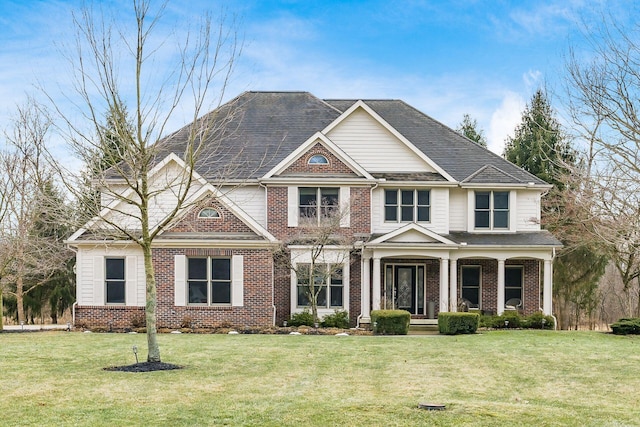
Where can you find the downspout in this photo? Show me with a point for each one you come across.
(75, 303)
(266, 226)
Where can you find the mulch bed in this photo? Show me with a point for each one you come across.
(144, 367)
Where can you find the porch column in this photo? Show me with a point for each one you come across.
(547, 288)
(376, 283)
(500, 308)
(453, 285)
(366, 289)
(444, 284)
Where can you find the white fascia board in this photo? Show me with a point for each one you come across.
(394, 132)
(305, 146)
(414, 184)
(488, 187)
(171, 157)
(213, 243)
(412, 227)
(319, 180)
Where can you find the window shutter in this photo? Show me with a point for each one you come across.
(345, 206)
(292, 205)
(99, 289)
(237, 280)
(131, 281)
(180, 279)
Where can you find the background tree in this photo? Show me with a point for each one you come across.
(540, 147)
(110, 57)
(34, 248)
(469, 128)
(603, 81)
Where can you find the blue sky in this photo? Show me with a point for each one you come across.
(446, 58)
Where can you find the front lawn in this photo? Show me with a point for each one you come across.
(498, 378)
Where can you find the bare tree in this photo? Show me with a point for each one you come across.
(30, 257)
(110, 57)
(316, 255)
(604, 86)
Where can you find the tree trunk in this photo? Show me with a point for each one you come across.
(1, 310)
(20, 299)
(150, 307)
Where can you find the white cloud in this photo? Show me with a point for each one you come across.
(504, 120)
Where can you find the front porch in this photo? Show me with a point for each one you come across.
(428, 284)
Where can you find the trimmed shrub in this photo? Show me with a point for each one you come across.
(458, 323)
(339, 319)
(304, 318)
(390, 322)
(538, 321)
(626, 326)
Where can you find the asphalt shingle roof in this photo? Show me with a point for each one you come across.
(257, 130)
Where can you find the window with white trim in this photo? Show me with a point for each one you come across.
(407, 205)
(114, 280)
(318, 159)
(326, 277)
(209, 213)
(492, 210)
(513, 283)
(209, 281)
(316, 203)
(470, 285)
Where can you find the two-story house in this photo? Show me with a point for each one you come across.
(428, 221)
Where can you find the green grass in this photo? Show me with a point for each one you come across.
(500, 378)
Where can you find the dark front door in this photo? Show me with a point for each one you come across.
(405, 280)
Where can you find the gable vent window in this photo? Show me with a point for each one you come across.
(407, 205)
(209, 213)
(318, 159)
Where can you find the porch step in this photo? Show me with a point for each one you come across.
(423, 329)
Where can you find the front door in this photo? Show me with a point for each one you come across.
(408, 287)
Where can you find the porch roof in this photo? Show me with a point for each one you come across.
(523, 238)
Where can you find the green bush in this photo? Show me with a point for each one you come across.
(390, 322)
(539, 321)
(626, 326)
(513, 320)
(304, 318)
(339, 319)
(458, 323)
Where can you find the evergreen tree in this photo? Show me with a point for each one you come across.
(539, 146)
(469, 128)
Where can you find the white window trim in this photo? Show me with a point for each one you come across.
(324, 163)
(471, 211)
(521, 268)
(479, 267)
(218, 216)
(293, 204)
(399, 205)
(125, 268)
(181, 282)
(333, 256)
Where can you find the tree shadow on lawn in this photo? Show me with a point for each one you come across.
(144, 367)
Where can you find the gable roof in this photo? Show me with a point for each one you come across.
(257, 131)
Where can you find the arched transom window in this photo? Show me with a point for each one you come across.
(209, 213)
(318, 159)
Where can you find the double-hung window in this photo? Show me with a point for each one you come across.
(407, 205)
(316, 203)
(209, 281)
(513, 278)
(114, 280)
(492, 209)
(471, 285)
(327, 280)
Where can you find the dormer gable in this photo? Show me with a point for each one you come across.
(303, 161)
(364, 135)
(412, 233)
